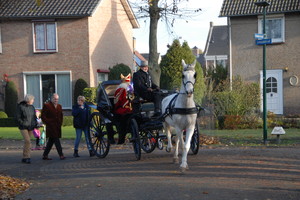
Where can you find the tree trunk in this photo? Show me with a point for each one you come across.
(153, 55)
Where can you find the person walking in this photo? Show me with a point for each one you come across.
(80, 112)
(26, 120)
(52, 117)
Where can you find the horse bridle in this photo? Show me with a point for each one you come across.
(185, 83)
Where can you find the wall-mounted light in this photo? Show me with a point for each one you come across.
(285, 69)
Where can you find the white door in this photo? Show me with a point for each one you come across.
(273, 90)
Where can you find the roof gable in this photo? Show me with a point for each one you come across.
(217, 42)
(248, 7)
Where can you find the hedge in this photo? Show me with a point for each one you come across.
(11, 121)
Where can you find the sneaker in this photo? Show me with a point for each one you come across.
(26, 160)
(46, 158)
(92, 153)
(62, 157)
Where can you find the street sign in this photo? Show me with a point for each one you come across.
(263, 41)
(259, 36)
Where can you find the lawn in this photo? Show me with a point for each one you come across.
(254, 137)
(68, 132)
(242, 137)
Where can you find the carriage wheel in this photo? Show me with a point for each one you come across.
(99, 142)
(136, 138)
(148, 141)
(160, 143)
(195, 142)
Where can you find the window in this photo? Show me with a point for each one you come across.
(213, 61)
(271, 85)
(43, 84)
(102, 77)
(44, 37)
(274, 28)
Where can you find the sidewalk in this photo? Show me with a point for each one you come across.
(221, 173)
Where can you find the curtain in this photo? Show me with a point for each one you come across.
(51, 36)
(33, 88)
(64, 90)
(39, 37)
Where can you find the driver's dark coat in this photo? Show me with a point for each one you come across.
(141, 82)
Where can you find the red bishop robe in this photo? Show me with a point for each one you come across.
(122, 103)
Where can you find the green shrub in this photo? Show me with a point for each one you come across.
(79, 87)
(8, 122)
(11, 99)
(68, 121)
(3, 114)
(90, 94)
(117, 70)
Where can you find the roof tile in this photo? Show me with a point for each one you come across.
(48, 8)
(248, 7)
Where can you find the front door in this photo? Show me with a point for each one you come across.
(273, 90)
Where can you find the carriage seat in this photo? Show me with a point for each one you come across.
(142, 105)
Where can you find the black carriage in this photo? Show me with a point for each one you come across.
(146, 132)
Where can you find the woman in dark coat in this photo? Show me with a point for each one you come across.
(27, 121)
(80, 112)
(52, 116)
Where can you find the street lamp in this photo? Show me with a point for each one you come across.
(264, 4)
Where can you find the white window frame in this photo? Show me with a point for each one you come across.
(40, 73)
(44, 22)
(273, 17)
(215, 59)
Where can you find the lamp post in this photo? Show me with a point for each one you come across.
(264, 4)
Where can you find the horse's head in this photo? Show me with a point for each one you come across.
(189, 77)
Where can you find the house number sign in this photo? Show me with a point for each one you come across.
(294, 80)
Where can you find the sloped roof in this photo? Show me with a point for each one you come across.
(47, 8)
(248, 7)
(217, 42)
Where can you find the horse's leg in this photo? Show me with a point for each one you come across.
(178, 136)
(169, 137)
(185, 149)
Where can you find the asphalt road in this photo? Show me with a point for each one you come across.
(221, 173)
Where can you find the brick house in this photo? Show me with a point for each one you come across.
(283, 60)
(45, 48)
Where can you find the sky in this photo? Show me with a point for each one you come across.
(194, 32)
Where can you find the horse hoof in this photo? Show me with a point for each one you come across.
(183, 170)
(168, 149)
(175, 160)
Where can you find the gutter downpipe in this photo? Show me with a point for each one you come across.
(230, 51)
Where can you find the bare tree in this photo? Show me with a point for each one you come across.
(167, 11)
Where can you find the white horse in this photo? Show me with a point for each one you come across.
(181, 114)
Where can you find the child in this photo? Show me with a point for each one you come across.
(36, 131)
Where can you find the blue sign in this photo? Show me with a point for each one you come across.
(259, 36)
(263, 41)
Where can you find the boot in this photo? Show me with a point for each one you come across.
(76, 154)
(92, 153)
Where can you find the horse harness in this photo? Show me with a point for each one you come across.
(171, 110)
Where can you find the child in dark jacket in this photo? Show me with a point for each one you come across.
(80, 112)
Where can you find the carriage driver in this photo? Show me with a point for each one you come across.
(145, 88)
